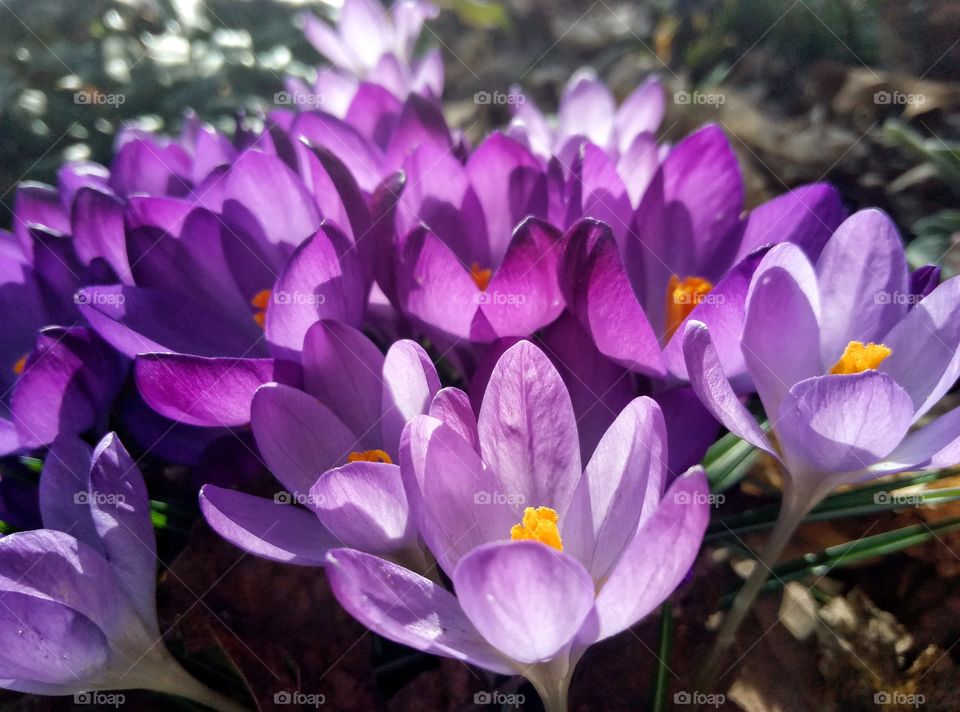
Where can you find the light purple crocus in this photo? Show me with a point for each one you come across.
(588, 110)
(78, 606)
(335, 447)
(546, 558)
(369, 43)
(846, 358)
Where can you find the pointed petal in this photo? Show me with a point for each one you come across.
(211, 392)
(528, 432)
(266, 528)
(658, 558)
(407, 608)
(299, 437)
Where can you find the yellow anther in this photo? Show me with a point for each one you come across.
(369, 456)
(481, 277)
(538, 524)
(683, 295)
(18, 366)
(858, 358)
(259, 302)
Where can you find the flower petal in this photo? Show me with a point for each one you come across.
(657, 559)
(299, 437)
(864, 283)
(842, 423)
(266, 528)
(527, 599)
(410, 383)
(528, 432)
(214, 392)
(343, 369)
(364, 506)
(407, 608)
(713, 388)
(620, 488)
(925, 347)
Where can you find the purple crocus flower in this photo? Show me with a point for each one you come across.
(334, 446)
(369, 43)
(546, 558)
(475, 257)
(588, 110)
(845, 361)
(78, 610)
(684, 253)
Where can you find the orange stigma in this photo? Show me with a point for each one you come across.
(259, 302)
(18, 366)
(858, 358)
(683, 295)
(369, 456)
(538, 524)
(481, 277)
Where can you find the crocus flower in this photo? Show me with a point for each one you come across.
(78, 610)
(588, 110)
(335, 447)
(545, 557)
(686, 252)
(475, 258)
(370, 43)
(844, 362)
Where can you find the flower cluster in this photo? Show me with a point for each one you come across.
(483, 375)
